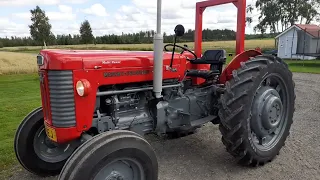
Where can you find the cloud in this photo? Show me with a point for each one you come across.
(65, 13)
(9, 28)
(139, 15)
(24, 16)
(189, 4)
(129, 9)
(37, 2)
(65, 9)
(142, 16)
(60, 21)
(60, 28)
(97, 10)
(27, 2)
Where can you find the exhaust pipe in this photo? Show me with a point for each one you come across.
(158, 55)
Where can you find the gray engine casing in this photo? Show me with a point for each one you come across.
(181, 111)
(177, 111)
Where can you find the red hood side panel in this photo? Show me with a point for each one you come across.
(60, 61)
(129, 59)
(105, 59)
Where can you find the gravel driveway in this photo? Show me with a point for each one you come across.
(202, 156)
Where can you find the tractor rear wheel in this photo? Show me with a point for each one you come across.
(257, 110)
(35, 152)
(112, 155)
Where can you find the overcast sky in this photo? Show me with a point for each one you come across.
(113, 16)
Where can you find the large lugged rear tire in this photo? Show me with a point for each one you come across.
(257, 110)
(35, 152)
(112, 155)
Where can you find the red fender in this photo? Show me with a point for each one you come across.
(226, 74)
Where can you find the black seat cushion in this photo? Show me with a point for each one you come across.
(214, 55)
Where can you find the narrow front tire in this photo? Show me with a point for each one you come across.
(112, 155)
(33, 149)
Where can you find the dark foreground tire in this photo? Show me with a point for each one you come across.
(35, 152)
(112, 155)
(257, 109)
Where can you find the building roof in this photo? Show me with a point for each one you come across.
(311, 29)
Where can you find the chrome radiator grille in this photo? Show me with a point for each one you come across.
(62, 98)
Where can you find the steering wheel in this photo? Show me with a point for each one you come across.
(184, 48)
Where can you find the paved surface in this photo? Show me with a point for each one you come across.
(202, 156)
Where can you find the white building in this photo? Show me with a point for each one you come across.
(299, 42)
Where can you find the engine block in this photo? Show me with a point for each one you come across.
(181, 109)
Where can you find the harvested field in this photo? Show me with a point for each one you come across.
(15, 63)
(229, 46)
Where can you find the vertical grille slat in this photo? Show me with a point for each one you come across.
(62, 98)
(44, 93)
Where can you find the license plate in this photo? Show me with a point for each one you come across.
(51, 133)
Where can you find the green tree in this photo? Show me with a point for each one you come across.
(1, 44)
(86, 32)
(249, 10)
(308, 11)
(285, 13)
(40, 29)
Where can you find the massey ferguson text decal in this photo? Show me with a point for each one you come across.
(111, 62)
(126, 73)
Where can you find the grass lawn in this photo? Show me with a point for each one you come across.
(308, 66)
(19, 94)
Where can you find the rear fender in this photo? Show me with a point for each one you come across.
(226, 74)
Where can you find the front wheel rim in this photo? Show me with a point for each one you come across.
(270, 109)
(49, 151)
(121, 169)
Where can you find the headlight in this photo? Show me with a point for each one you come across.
(40, 60)
(83, 87)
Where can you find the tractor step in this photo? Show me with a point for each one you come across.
(205, 74)
(202, 121)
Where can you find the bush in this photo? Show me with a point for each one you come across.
(1, 44)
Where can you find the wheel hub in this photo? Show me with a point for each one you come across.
(47, 142)
(271, 111)
(115, 175)
(121, 169)
(49, 151)
(267, 111)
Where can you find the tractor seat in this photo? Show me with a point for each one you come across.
(215, 57)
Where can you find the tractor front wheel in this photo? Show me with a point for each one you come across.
(35, 152)
(112, 155)
(257, 110)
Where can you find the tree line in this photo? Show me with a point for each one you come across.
(134, 38)
(273, 14)
(278, 15)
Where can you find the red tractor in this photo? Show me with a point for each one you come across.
(97, 105)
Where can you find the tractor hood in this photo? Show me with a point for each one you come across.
(97, 59)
